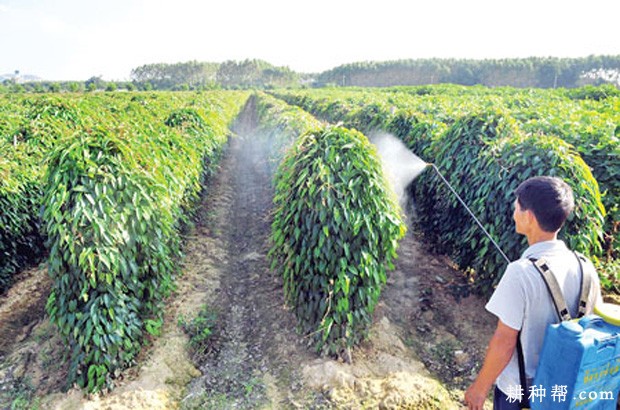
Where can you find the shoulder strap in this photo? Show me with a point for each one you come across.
(524, 401)
(553, 287)
(586, 282)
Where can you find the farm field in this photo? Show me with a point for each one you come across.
(215, 323)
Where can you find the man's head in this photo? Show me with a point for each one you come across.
(548, 199)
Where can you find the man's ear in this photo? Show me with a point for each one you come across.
(531, 218)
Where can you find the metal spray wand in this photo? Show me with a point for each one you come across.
(468, 210)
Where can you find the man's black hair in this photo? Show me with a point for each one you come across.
(549, 198)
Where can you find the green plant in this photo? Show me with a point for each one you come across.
(32, 126)
(590, 92)
(153, 326)
(335, 230)
(21, 241)
(21, 396)
(200, 330)
(186, 118)
(609, 273)
(252, 384)
(115, 200)
(96, 213)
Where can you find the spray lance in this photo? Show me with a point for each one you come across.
(402, 166)
(429, 164)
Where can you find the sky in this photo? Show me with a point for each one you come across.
(78, 39)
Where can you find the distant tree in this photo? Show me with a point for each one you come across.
(274, 77)
(111, 86)
(254, 74)
(98, 83)
(130, 86)
(74, 87)
(168, 76)
(181, 87)
(17, 88)
(54, 87)
(465, 73)
(548, 73)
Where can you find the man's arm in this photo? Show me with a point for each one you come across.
(499, 352)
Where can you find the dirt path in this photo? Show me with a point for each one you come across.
(30, 353)
(449, 333)
(255, 358)
(257, 355)
(22, 307)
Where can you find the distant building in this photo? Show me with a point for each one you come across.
(19, 78)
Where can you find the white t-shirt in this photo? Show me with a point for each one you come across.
(522, 302)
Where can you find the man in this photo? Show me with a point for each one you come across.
(521, 301)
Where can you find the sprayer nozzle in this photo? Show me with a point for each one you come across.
(429, 164)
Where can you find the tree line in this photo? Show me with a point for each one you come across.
(191, 75)
(229, 74)
(542, 72)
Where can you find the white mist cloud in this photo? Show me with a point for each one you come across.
(400, 165)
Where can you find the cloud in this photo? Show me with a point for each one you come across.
(52, 25)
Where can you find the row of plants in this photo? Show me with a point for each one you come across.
(587, 118)
(335, 228)
(28, 129)
(20, 190)
(30, 126)
(480, 144)
(485, 157)
(116, 192)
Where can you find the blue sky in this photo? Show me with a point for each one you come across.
(75, 40)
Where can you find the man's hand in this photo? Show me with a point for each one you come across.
(499, 352)
(475, 396)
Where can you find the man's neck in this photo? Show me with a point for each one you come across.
(541, 236)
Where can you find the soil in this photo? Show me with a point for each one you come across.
(426, 344)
